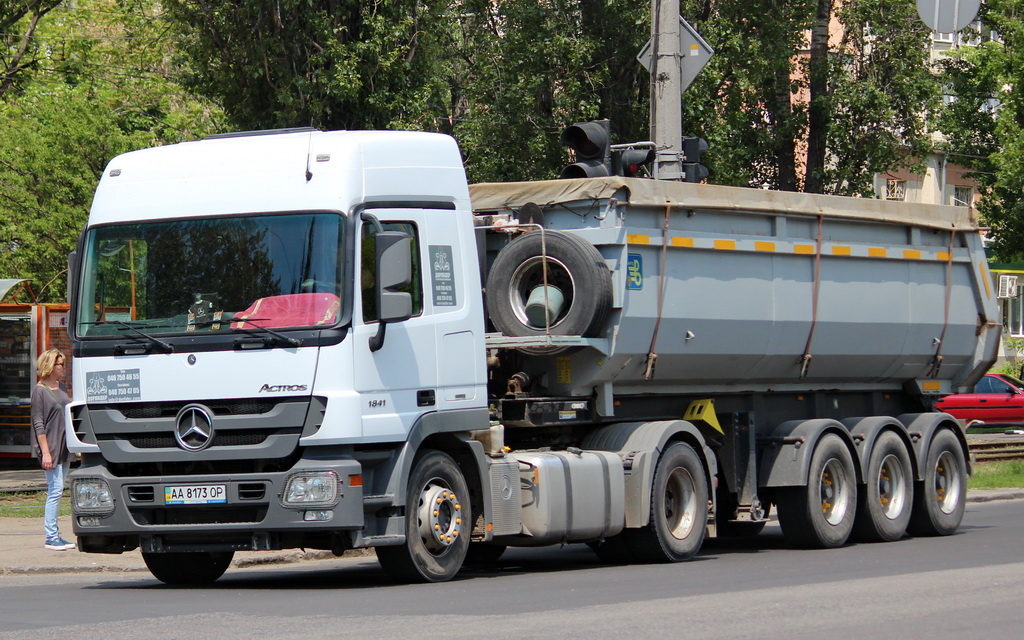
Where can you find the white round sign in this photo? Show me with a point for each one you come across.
(948, 16)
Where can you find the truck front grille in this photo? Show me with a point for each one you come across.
(199, 515)
(236, 438)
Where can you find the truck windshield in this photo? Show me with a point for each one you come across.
(212, 275)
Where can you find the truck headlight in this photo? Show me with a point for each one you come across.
(311, 489)
(92, 496)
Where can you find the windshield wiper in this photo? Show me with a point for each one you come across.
(294, 342)
(166, 347)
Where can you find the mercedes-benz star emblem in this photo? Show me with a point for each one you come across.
(194, 428)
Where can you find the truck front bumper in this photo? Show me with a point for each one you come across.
(219, 512)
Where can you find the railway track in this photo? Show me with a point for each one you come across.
(992, 450)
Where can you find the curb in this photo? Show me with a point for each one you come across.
(277, 559)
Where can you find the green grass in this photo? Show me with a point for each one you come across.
(999, 474)
(28, 505)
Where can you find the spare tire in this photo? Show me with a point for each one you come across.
(574, 267)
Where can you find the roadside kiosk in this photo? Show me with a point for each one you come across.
(26, 330)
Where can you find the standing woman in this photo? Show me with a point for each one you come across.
(49, 397)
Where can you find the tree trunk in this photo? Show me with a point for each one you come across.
(817, 111)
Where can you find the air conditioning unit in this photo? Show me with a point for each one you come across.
(1007, 286)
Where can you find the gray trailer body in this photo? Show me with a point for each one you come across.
(764, 291)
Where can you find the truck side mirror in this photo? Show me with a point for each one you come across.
(394, 271)
(393, 266)
(72, 274)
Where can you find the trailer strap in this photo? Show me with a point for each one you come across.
(805, 360)
(652, 356)
(937, 359)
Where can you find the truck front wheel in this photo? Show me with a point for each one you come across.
(821, 513)
(437, 523)
(679, 509)
(184, 567)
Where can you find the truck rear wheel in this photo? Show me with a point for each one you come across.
(940, 498)
(679, 509)
(821, 514)
(185, 567)
(883, 509)
(574, 267)
(437, 525)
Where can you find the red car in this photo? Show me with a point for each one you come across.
(997, 399)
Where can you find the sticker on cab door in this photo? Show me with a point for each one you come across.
(443, 275)
(118, 385)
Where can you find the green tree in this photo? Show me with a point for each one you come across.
(817, 113)
(104, 89)
(526, 70)
(20, 52)
(984, 123)
(338, 64)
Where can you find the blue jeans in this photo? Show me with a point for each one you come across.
(54, 489)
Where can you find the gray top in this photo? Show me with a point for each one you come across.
(48, 419)
(491, 197)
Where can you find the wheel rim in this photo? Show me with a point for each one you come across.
(834, 492)
(892, 487)
(947, 482)
(530, 274)
(680, 503)
(440, 517)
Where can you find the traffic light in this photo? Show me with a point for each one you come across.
(692, 148)
(592, 143)
(627, 162)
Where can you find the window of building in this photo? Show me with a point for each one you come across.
(963, 196)
(942, 37)
(1013, 318)
(368, 257)
(895, 189)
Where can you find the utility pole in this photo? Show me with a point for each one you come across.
(666, 89)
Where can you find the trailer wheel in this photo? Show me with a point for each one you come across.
(821, 514)
(574, 267)
(883, 508)
(184, 567)
(679, 509)
(940, 499)
(437, 523)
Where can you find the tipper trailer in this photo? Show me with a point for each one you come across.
(328, 340)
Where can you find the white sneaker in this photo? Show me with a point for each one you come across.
(59, 544)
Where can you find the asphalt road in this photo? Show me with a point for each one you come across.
(964, 586)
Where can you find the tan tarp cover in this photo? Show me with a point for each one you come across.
(505, 196)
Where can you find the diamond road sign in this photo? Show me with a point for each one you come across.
(694, 54)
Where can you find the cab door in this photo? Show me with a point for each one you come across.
(397, 383)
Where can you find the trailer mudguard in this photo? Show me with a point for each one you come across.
(865, 431)
(639, 444)
(787, 454)
(922, 427)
